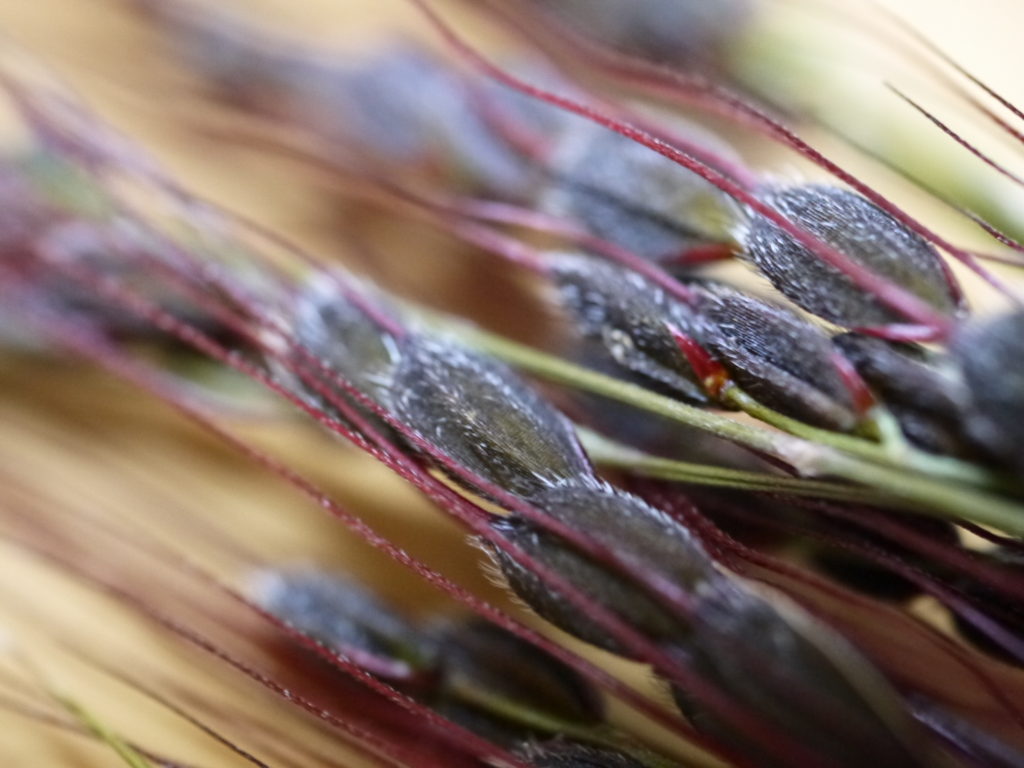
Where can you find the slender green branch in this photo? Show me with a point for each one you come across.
(797, 452)
(930, 486)
(891, 453)
(612, 454)
(128, 754)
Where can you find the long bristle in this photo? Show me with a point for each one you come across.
(746, 493)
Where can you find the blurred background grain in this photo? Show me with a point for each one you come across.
(82, 439)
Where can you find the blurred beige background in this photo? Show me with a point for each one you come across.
(85, 435)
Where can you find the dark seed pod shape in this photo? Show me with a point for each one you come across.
(631, 317)
(386, 102)
(341, 615)
(646, 431)
(779, 358)
(634, 197)
(478, 659)
(399, 105)
(565, 754)
(858, 572)
(119, 253)
(628, 425)
(468, 133)
(378, 102)
(989, 353)
(482, 415)
(754, 520)
(926, 394)
(799, 678)
(636, 531)
(340, 334)
(1001, 608)
(860, 230)
(680, 32)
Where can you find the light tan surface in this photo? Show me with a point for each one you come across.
(80, 438)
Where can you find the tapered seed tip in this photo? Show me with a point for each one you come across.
(865, 236)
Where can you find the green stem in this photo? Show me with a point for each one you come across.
(128, 754)
(887, 431)
(929, 485)
(892, 453)
(612, 454)
(554, 369)
(941, 499)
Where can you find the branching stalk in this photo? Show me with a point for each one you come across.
(932, 485)
(610, 453)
